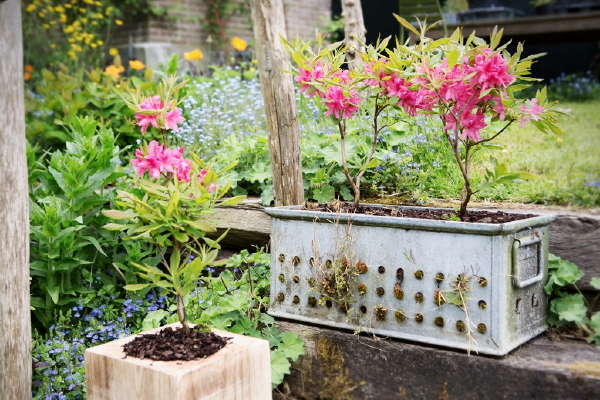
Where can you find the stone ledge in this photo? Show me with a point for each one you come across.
(574, 235)
(342, 365)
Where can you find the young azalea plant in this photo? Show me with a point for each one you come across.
(343, 93)
(470, 85)
(170, 205)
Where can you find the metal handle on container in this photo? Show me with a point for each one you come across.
(526, 241)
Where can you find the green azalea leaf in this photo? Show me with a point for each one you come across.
(201, 225)
(114, 227)
(233, 201)
(173, 203)
(595, 282)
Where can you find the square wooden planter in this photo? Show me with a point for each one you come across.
(241, 370)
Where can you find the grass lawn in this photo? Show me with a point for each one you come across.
(562, 163)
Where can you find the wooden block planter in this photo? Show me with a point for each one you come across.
(408, 286)
(241, 370)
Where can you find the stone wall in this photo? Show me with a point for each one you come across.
(153, 40)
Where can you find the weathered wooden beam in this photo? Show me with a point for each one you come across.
(280, 101)
(341, 365)
(15, 322)
(574, 235)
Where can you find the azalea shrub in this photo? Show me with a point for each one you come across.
(469, 84)
(170, 208)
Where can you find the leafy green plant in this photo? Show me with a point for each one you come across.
(68, 190)
(566, 309)
(235, 299)
(170, 208)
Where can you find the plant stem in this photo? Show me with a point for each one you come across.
(181, 314)
(355, 189)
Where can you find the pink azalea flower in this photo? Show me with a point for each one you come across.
(335, 101)
(532, 113)
(159, 160)
(470, 124)
(151, 103)
(308, 76)
(407, 99)
(491, 70)
(172, 118)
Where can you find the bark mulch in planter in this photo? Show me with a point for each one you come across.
(488, 217)
(172, 345)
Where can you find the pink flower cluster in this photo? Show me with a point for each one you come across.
(458, 91)
(340, 100)
(158, 161)
(463, 94)
(154, 108)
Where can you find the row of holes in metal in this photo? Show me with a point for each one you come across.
(381, 314)
(419, 274)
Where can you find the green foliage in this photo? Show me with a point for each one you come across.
(236, 301)
(59, 98)
(571, 309)
(68, 190)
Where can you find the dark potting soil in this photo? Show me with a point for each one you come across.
(488, 217)
(171, 345)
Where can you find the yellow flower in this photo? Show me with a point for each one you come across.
(46, 26)
(193, 55)
(252, 69)
(41, 15)
(559, 139)
(99, 42)
(94, 45)
(239, 44)
(114, 71)
(71, 40)
(29, 68)
(137, 65)
(113, 51)
(30, 8)
(94, 22)
(53, 45)
(84, 20)
(118, 22)
(63, 18)
(255, 61)
(59, 9)
(68, 6)
(82, 10)
(72, 55)
(100, 16)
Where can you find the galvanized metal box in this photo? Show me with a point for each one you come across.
(471, 286)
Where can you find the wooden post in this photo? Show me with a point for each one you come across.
(280, 102)
(15, 320)
(354, 27)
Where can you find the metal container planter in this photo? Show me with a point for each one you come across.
(472, 286)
